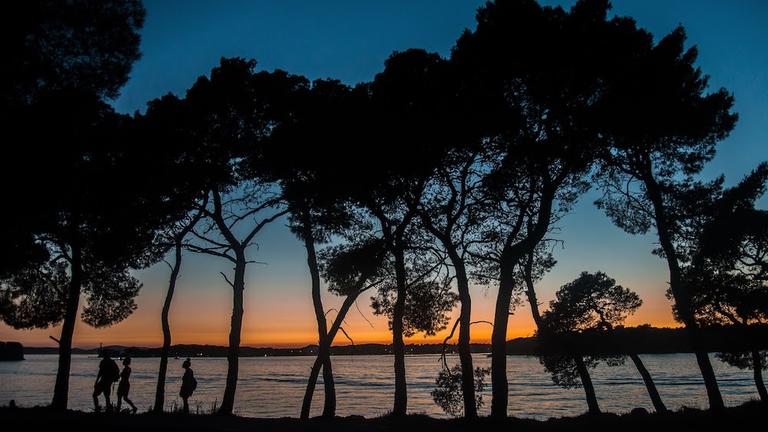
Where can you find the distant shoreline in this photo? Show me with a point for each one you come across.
(638, 340)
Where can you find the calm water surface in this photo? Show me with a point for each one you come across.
(274, 386)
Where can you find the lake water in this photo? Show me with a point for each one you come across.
(274, 386)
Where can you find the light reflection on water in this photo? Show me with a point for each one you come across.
(274, 386)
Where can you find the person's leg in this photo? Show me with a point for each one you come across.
(96, 393)
(120, 402)
(130, 404)
(185, 408)
(107, 389)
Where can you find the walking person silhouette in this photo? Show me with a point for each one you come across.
(109, 372)
(188, 384)
(124, 386)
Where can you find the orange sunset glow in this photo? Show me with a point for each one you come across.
(286, 320)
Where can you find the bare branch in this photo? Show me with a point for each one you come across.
(361, 314)
(209, 251)
(347, 335)
(445, 342)
(261, 225)
(481, 322)
(234, 219)
(227, 279)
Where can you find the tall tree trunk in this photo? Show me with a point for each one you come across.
(465, 354)
(236, 326)
(511, 256)
(465, 316)
(658, 404)
(314, 373)
(61, 388)
(586, 382)
(500, 387)
(323, 358)
(586, 379)
(165, 351)
(757, 369)
(329, 408)
(680, 292)
(708, 373)
(323, 353)
(400, 407)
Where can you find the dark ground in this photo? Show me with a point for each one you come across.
(750, 416)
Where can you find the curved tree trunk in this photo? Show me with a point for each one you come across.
(465, 353)
(465, 318)
(233, 352)
(323, 354)
(323, 358)
(658, 404)
(680, 292)
(530, 291)
(165, 351)
(61, 388)
(586, 382)
(400, 406)
(710, 380)
(586, 379)
(314, 373)
(500, 387)
(757, 369)
(511, 256)
(329, 408)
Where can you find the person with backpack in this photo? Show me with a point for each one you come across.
(188, 384)
(125, 386)
(108, 374)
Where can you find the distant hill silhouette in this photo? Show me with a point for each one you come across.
(309, 350)
(650, 340)
(640, 340)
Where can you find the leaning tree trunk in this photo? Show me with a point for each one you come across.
(681, 294)
(314, 372)
(530, 291)
(329, 408)
(398, 344)
(465, 320)
(757, 369)
(323, 353)
(708, 373)
(510, 258)
(586, 379)
(500, 387)
(61, 388)
(165, 351)
(658, 404)
(465, 354)
(586, 382)
(323, 358)
(236, 326)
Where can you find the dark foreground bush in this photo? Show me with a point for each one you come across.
(29, 419)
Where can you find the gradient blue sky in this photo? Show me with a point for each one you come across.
(349, 40)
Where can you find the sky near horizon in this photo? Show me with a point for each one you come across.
(349, 40)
